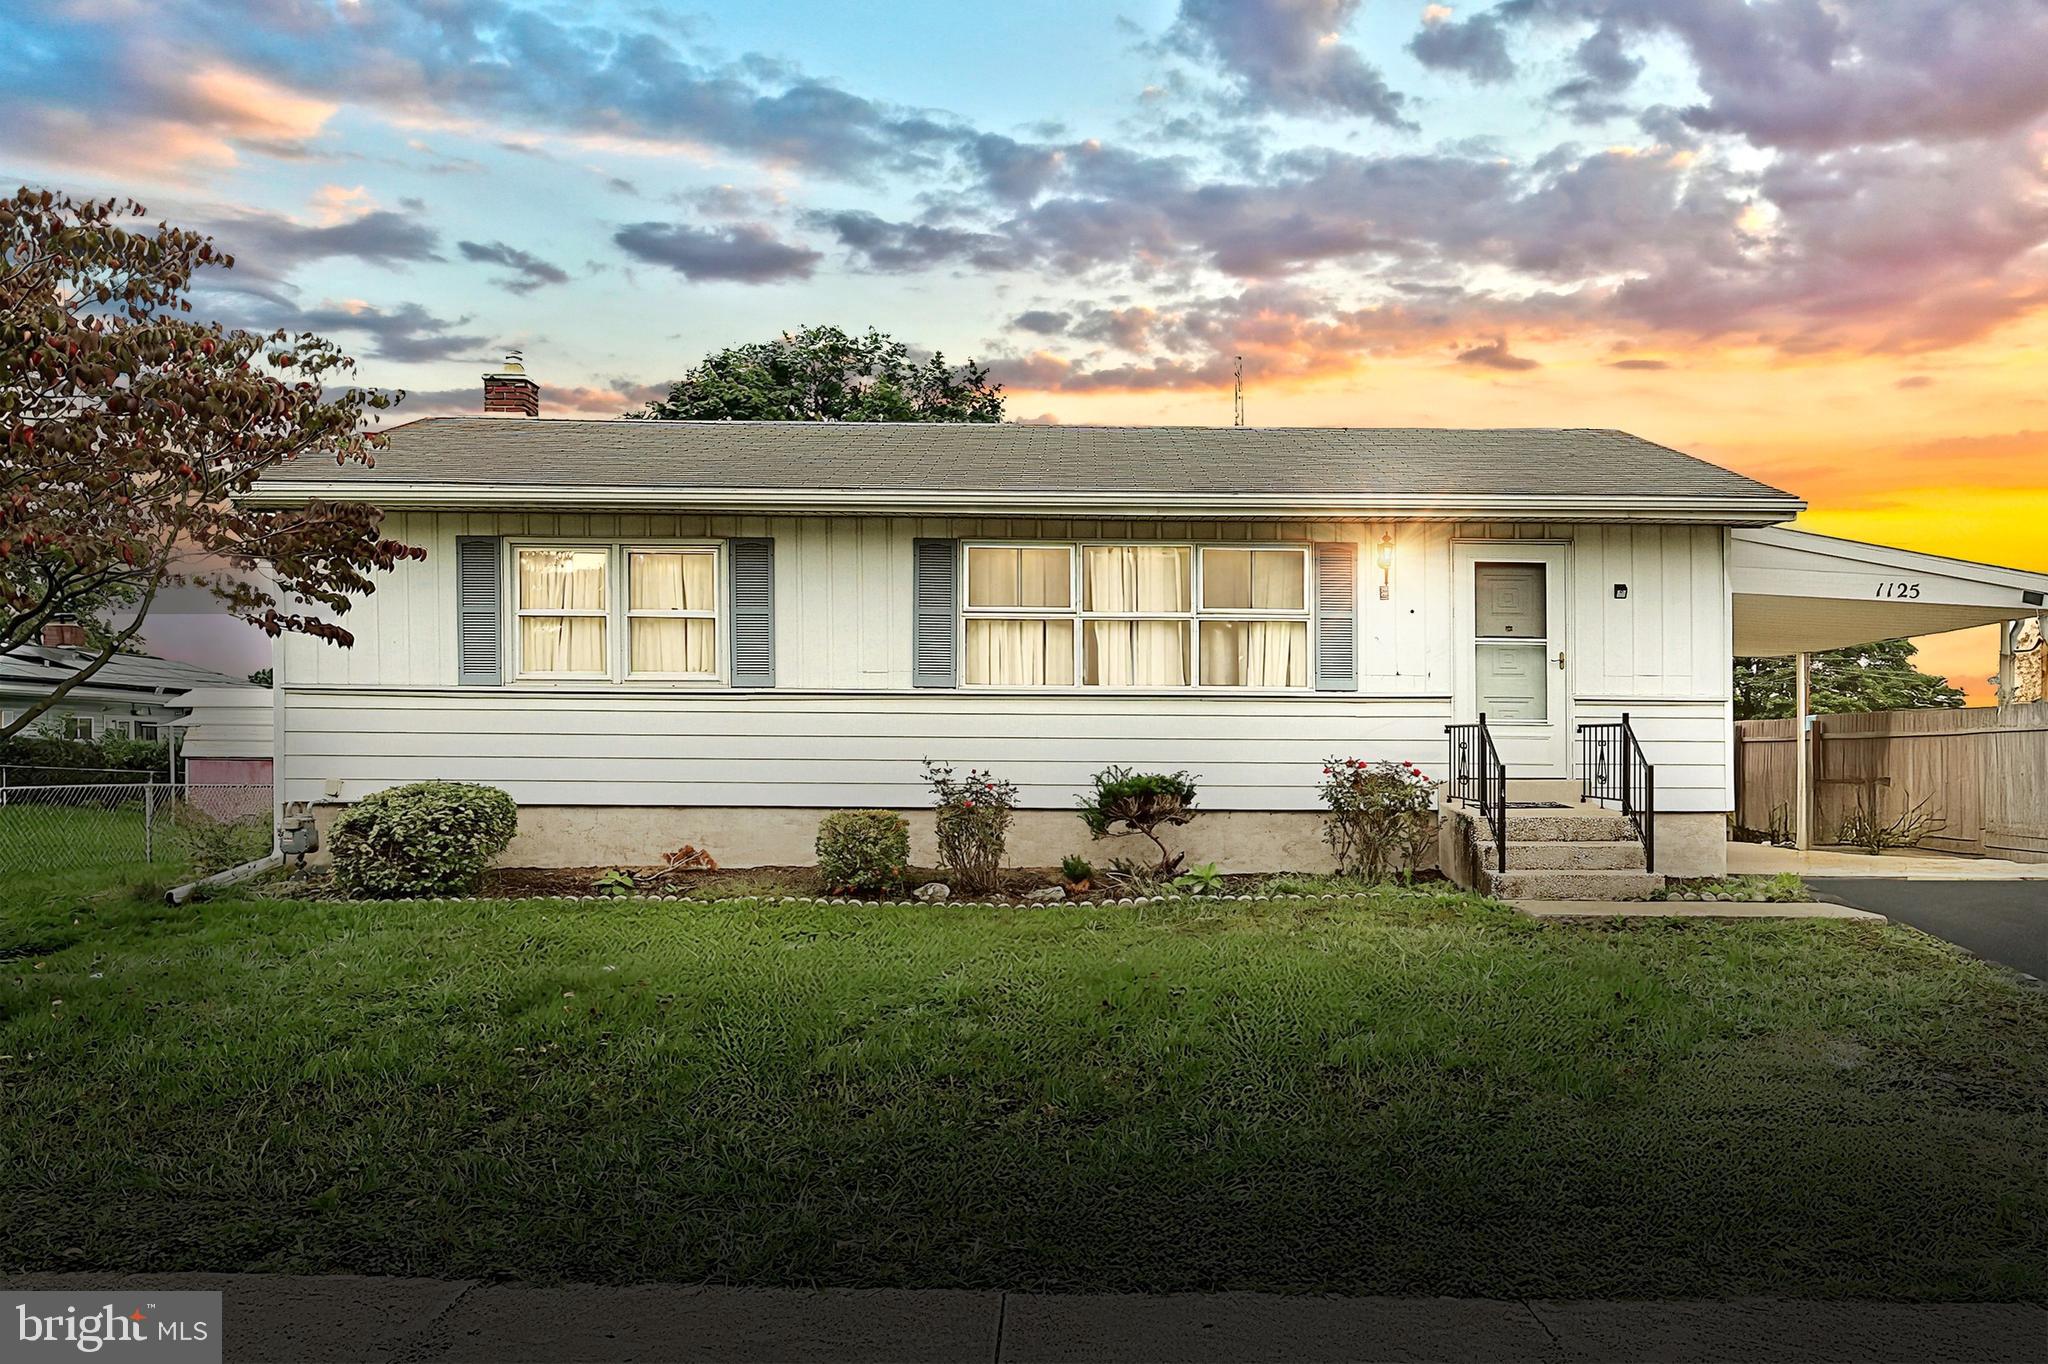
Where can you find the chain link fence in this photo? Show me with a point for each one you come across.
(174, 827)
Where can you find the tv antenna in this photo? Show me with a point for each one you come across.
(1237, 396)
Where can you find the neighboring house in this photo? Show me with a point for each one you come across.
(227, 735)
(652, 633)
(132, 696)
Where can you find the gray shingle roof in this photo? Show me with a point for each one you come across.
(1395, 461)
(38, 667)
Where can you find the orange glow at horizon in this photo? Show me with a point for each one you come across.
(1944, 453)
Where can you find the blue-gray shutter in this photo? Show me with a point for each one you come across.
(752, 612)
(1336, 617)
(934, 612)
(479, 611)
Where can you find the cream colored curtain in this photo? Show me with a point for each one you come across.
(672, 582)
(563, 581)
(1136, 579)
(1255, 653)
(1020, 653)
(1025, 575)
(1255, 579)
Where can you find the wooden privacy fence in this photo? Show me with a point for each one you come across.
(1982, 772)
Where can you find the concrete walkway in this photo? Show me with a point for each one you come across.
(319, 1320)
(1690, 909)
(1764, 859)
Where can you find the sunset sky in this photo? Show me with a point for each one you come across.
(1804, 238)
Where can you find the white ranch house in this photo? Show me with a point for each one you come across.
(652, 633)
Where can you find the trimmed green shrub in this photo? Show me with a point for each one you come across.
(1127, 802)
(429, 838)
(863, 851)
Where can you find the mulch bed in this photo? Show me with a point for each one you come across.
(513, 883)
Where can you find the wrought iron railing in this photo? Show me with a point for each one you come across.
(1480, 779)
(1612, 768)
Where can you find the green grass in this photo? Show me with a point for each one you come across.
(49, 850)
(1402, 1093)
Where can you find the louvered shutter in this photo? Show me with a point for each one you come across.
(1336, 617)
(934, 608)
(752, 609)
(479, 611)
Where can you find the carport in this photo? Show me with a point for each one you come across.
(1795, 593)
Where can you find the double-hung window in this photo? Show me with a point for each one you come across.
(616, 612)
(1136, 617)
(1254, 617)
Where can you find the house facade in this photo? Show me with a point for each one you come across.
(658, 633)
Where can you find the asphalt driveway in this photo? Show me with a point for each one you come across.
(2002, 921)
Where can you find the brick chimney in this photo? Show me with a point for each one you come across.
(509, 392)
(63, 632)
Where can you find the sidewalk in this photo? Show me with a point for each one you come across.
(318, 1320)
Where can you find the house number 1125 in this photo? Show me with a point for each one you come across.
(1898, 591)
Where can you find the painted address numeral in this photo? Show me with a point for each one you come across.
(1898, 591)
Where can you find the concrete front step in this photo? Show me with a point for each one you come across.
(1579, 884)
(1608, 855)
(1588, 824)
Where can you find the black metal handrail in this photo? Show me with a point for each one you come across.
(1480, 778)
(1612, 768)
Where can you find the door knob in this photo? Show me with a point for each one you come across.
(1560, 660)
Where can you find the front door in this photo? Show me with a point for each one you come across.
(1511, 661)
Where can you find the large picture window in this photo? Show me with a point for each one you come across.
(571, 603)
(1136, 617)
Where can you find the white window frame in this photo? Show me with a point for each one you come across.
(155, 732)
(120, 729)
(1193, 616)
(1225, 615)
(633, 613)
(617, 613)
(88, 723)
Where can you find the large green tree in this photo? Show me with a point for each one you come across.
(128, 431)
(1867, 677)
(823, 374)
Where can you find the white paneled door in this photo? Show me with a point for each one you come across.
(1511, 664)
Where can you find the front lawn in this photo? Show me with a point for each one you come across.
(1407, 1093)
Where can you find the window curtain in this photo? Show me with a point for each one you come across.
(1027, 576)
(1137, 579)
(1020, 653)
(1255, 653)
(672, 582)
(562, 580)
(1264, 580)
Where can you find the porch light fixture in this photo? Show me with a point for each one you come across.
(1386, 558)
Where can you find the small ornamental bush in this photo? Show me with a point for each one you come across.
(1127, 802)
(429, 838)
(1381, 816)
(973, 824)
(863, 851)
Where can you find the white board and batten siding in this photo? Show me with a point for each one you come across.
(843, 726)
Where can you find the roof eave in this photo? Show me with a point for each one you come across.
(1759, 510)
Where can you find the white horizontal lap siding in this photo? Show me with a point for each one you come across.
(1691, 744)
(793, 750)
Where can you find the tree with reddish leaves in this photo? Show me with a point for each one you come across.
(130, 431)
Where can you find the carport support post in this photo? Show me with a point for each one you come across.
(1802, 820)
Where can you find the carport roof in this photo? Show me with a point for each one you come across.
(1797, 592)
